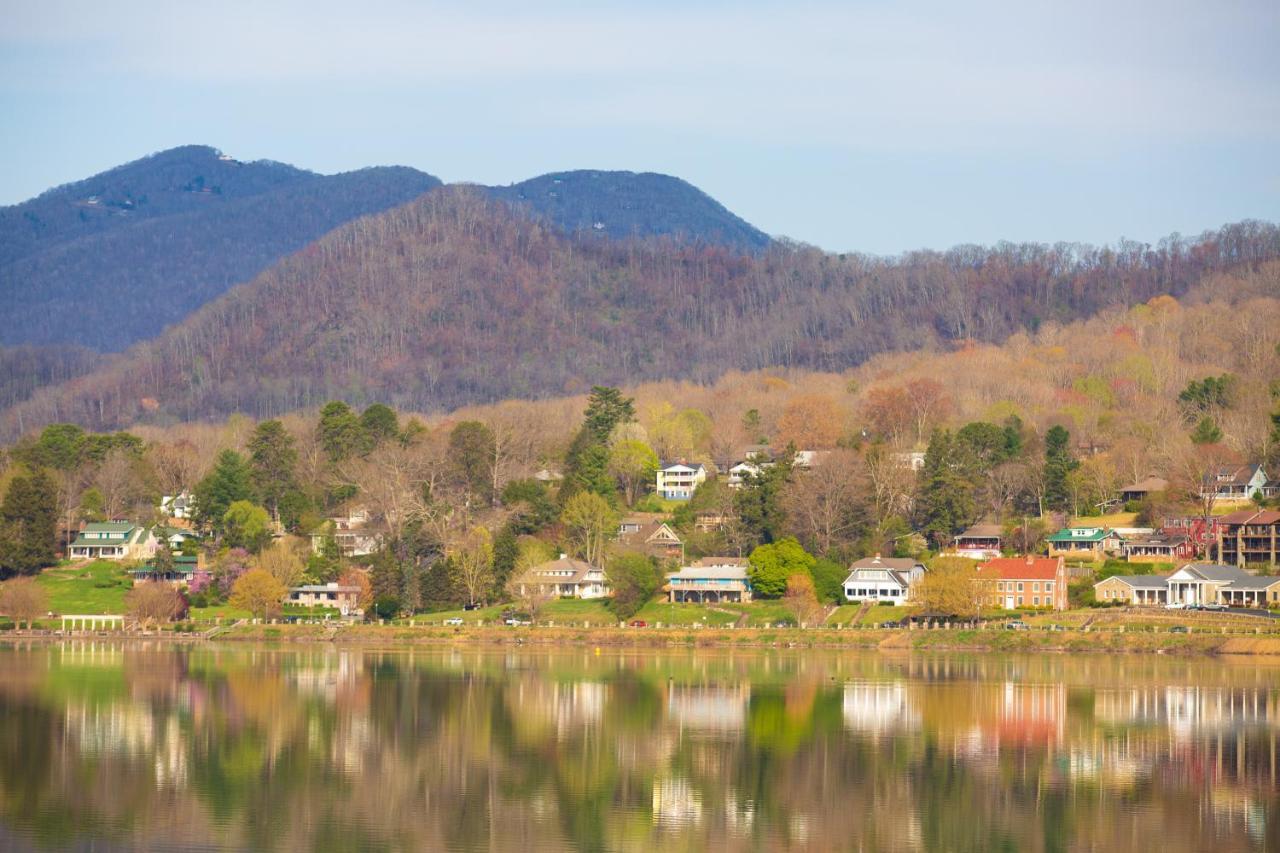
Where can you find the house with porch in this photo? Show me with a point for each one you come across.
(710, 580)
(345, 599)
(1196, 584)
(1237, 484)
(1137, 590)
(879, 578)
(1142, 488)
(980, 542)
(751, 460)
(566, 578)
(1027, 581)
(1249, 536)
(679, 481)
(1159, 548)
(1091, 543)
(649, 533)
(181, 505)
(176, 537)
(352, 534)
(183, 572)
(113, 540)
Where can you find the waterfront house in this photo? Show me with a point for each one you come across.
(1249, 536)
(1027, 581)
(1089, 542)
(345, 599)
(566, 578)
(710, 580)
(113, 540)
(183, 572)
(1194, 584)
(887, 579)
(648, 533)
(979, 542)
(679, 481)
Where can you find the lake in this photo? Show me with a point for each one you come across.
(115, 746)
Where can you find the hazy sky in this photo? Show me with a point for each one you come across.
(875, 126)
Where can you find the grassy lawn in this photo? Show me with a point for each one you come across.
(92, 588)
(684, 615)
(591, 611)
(1115, 519)
(485, 614)
(883, 613)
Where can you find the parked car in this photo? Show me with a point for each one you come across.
(514, 622)
(1016, 625)
(1175, 606)
(475, 605)
(1215, 607)
(639, 623)
(1179, 629)
(455, 620)
(890, 624)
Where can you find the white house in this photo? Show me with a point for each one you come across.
(678, 482)
(567, 578)
(346, 599)
(351, 533)
(882, 579)
(181, 505)
(1192, 585)
(113, 540)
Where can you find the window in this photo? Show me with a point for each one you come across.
(1035, 586)
(1019, 586)
(1021, 601)
(1035, 600)
(1048, 586)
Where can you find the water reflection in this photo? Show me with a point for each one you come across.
(329, 748)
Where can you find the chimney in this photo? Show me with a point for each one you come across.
(1030, 559)
(564, 556)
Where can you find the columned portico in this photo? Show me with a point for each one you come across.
(90, 622)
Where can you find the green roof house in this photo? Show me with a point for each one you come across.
(113, 540)
(1090, 542)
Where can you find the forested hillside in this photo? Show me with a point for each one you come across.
(114, 259)
(622, 205)
(455, 299)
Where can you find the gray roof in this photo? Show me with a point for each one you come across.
(1140, 581)
(736, 573)
(320, 587)
(902, 564)
(548, 571)
(1218, 572)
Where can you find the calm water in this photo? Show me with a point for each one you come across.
(121, 747)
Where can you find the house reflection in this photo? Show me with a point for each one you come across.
(879, 708)
(708, 708)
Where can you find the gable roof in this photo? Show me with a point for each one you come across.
(549, 571)
(901, 564)
(984, 530)
(710, 572)
(1250, 516)
(1215, 572)
(108, 527)
(1081, 534)
(1139, 581)
(704, 562)
(1022, 568)
(1234, 476)
(1150, 484)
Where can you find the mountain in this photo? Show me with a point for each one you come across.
(455, 298)
(621, 205)
(115, 258)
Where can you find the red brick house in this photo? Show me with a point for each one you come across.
(1027, 581)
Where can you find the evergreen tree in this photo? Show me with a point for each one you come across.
(28, 525)
(606, 408)
(378, 423)
(228, 482)
(272, 461)
(759, 501)
(1058, 465)
(339, 431)
(506, 551)
(1206, 431)
(471, 452)
(946, 501)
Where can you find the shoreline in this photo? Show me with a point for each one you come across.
(1199, 644)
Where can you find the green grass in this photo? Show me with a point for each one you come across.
(592, 611)
(98, 587)
(1115, 519)
(685, 615)
(486, 614)
(877, 614)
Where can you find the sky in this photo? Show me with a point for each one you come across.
(856, 126)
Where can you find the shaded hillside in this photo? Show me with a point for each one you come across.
(453, 299)
(114, 259)
(628, 204)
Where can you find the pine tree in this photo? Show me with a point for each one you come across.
(272, 460)
(228, 482)
(1058, 464)
(339, 431)
(28, 525)
(946, 493)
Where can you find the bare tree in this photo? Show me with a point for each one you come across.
(825, 504)
(473, 562)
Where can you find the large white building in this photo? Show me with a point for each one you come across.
(678, 482)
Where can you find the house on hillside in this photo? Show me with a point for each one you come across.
(980, 542)
(566, 578)
(1088, 542)
(180, 506)
(1194, 584)
(184, 571)
(1249, 536)
(887, 579)
(1237, 484)
(1141, 489)
(352, 533)
(345, 599)
(647, 532)
(1027, 581)
(679, 481)
(710, 580)
(176, 537)
(1203, 532)
(113, 540)
(1159, 548)
(751, 460)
